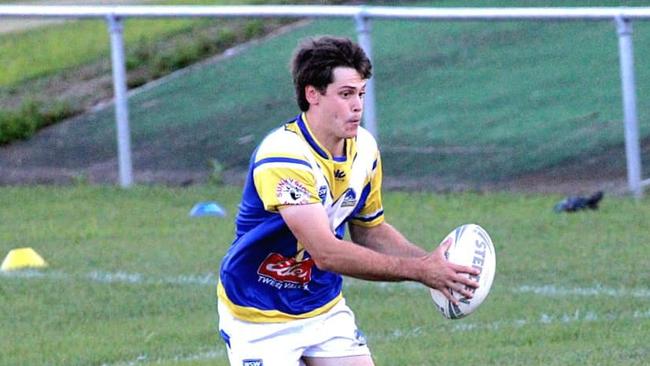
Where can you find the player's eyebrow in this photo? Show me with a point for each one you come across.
(347, 86)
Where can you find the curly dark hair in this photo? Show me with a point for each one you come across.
(315, 59)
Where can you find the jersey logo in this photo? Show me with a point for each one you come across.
(322, 193)
(285, 271)
(257, 362)
(339, 174)
(350, 198)
(291, 192)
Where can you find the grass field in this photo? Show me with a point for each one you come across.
(131, 280)
(131, 277)
(35, 52)
(483, 101)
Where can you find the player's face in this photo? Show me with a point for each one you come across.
(342, 104)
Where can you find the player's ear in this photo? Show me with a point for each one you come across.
(312, 95)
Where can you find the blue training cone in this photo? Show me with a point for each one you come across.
(207, 209)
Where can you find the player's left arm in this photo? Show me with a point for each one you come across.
(384, 238)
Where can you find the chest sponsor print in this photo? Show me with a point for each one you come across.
(283, 272)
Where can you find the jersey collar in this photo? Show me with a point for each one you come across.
(301, 120)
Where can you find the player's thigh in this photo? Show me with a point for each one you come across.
(339, 361)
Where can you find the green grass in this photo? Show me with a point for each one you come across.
(36, 52)
(131, 276)
(457, 101)
(49, 49)
(131, 280)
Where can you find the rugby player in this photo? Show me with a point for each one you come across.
(279, 293)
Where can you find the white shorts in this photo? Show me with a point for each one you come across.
(333, 334)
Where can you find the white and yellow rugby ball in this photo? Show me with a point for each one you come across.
(471, 246)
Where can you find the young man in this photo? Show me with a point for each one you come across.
(279, 295)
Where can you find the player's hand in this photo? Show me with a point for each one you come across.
(443, 275)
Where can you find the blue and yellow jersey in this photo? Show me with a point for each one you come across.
(267, 275)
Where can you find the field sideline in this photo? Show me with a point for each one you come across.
(131, 280)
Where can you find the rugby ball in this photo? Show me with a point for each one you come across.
(470, 246)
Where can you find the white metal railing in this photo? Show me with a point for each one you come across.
(385, 12)
(622, 16)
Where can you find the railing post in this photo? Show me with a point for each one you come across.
(115, 29)
(365, 41)
(632, 150)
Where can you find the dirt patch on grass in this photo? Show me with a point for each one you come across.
(605, 171)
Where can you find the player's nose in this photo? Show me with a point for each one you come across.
(357, 104)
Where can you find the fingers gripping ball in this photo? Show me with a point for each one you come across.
(470, 246)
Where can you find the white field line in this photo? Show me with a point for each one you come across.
(597, 290)
(210, 279)
(542, 290)
(465, 325)
(207, 279)
(417, 332)
(542, 320)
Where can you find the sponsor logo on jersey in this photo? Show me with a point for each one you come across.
(283, 270)
(349, 199)
(339, 174)
(257, 362)
(291, 192)
(322, 193)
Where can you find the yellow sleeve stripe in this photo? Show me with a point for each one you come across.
(254, 315)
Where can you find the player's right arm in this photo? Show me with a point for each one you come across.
(310, 226)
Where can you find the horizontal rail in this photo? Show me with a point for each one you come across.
(383, 12)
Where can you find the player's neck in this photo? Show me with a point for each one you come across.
(335, 145)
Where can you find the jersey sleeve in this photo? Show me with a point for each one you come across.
(372, 213)
(283, 175)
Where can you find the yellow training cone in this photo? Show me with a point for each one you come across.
(22, 258)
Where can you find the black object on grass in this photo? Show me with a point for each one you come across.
(576, 203)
